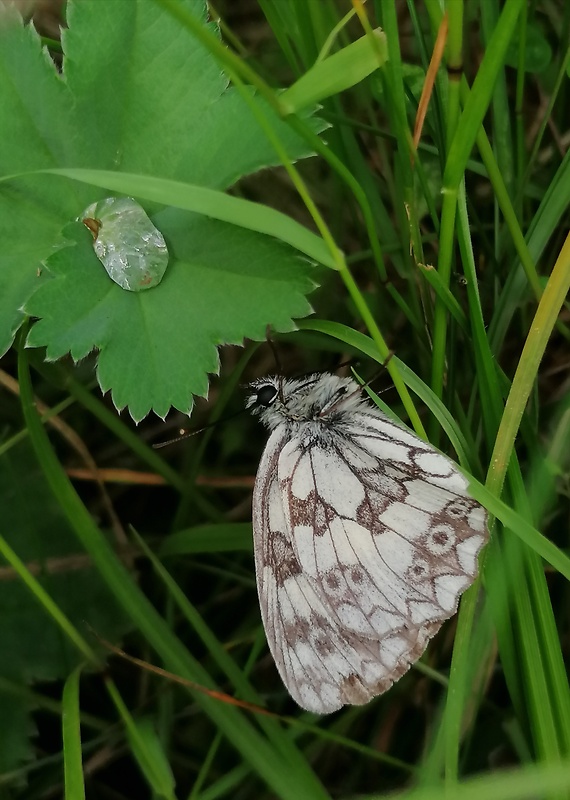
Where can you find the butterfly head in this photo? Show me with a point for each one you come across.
(312, 398)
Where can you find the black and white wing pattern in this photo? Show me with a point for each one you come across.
(365, 537)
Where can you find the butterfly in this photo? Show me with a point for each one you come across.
(365, 537)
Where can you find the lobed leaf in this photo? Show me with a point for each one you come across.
(169, 113)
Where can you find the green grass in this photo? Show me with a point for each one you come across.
(456, 260)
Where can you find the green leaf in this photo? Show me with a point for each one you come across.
(168, 113)
(157, 347)
(537, 51)
(224, 537)
(337, 72)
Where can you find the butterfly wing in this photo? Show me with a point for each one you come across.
(366, 539)
(302, 636)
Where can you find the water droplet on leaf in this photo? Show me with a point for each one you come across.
(129, 246)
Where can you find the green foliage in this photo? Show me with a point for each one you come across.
(157, 347)
(167, 112)
(33, 524)
(454, 258)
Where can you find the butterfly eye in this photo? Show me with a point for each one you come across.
(266, 395)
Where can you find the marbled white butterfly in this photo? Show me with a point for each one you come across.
(365, 537)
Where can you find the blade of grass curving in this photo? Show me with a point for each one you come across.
(521, 528)
(210, 202)
(218, 652)
(526, 783)
(524, 530)
(235, 73)
(334, 74)
(238, 70)
(333, 35)
(71, 735)
(545, 318)
(145, 748)
(365, 345)
(46, 601)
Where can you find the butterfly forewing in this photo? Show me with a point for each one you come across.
(313, 654)
(365, 537)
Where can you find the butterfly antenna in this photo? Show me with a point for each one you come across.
(378, 372)
(271, 343)
(186, 434)
(278, 365)
(348, 363)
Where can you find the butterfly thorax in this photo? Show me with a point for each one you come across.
(314, 403)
